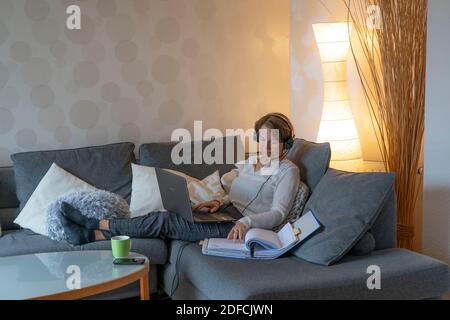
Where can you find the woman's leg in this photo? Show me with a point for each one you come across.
(181, 229)
(154, 225)
(149, 226)
(166, 225)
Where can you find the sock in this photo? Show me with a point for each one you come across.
(76, 235)
(75, 216)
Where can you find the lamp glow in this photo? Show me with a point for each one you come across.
(337, 125)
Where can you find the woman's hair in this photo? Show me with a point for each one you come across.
(280, 122)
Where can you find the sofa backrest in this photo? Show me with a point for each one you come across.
(159, 155)
(105, 167)
(9, 204)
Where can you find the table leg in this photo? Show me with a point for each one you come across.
(145, 293)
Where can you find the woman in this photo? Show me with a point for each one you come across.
(262, 189)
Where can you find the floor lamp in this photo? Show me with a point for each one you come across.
(337, 125)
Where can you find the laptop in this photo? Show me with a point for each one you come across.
(175, 198)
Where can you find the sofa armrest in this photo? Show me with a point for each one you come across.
(8, 198)
(7, 217)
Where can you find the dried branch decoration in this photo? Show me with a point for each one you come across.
(392, 70)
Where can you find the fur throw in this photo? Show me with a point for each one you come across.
(97, 204)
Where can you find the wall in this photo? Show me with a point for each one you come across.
(436, 233)
(307, 78)
(137, 70)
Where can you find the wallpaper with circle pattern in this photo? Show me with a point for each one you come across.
(137, 69)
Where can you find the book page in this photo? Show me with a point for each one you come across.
(224, 244)
(307, 224)
(265, 238)
(287, 236)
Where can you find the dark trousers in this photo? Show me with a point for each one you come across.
(168, 225)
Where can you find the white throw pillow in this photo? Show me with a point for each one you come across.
(53, 185)
(146, 197)
(208, 189)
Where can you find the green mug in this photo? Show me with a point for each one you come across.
(121, 246)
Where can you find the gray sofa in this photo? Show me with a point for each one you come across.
(180, 269)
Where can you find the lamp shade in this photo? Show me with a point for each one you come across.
(332, 32)
(337, 125)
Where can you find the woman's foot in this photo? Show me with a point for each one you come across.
(75, 216)
(76, 235)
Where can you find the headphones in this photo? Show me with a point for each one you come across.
(289, 142)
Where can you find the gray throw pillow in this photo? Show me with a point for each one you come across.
(313, 160)
(347, 205)
(365, 246)
(97, 204)
(104, 167)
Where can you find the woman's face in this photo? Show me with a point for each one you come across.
(269, 143)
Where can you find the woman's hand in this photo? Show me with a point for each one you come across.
(213, 206)
(238, 232)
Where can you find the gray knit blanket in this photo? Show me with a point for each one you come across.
(97, 204)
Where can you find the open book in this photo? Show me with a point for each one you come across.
(264, 244)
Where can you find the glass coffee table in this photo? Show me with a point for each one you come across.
(68, 275)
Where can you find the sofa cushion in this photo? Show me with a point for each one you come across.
(105, 167)
(313, 159)
(159, 155)
(347, 205)
(19, 242)
(404, 275)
